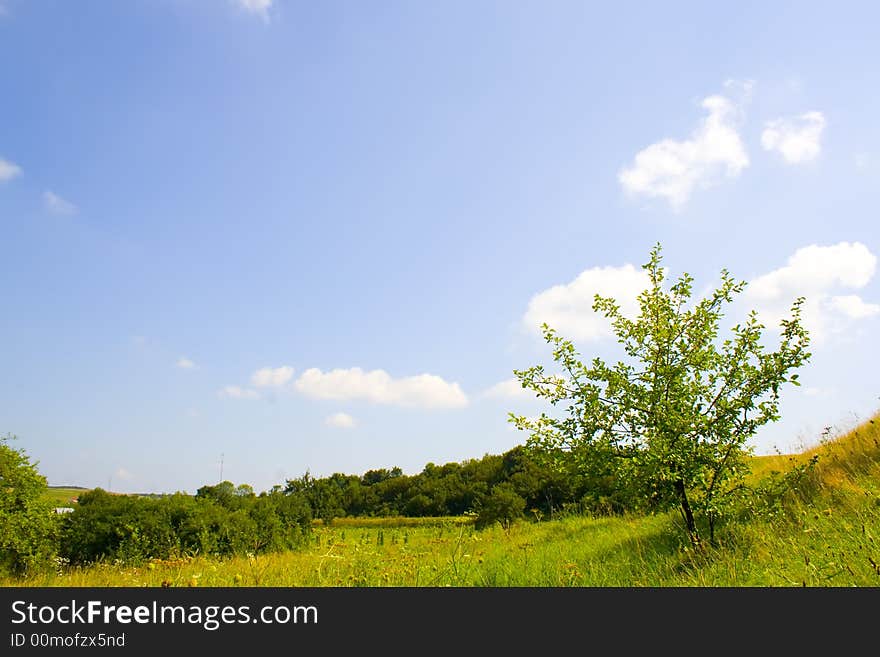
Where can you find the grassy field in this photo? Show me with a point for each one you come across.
(67, 495)
(64, 495)
(829, 535)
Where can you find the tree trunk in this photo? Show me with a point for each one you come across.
(688, 514)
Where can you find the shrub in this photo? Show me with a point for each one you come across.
(502, 505)
(27, 520)
(132, 528)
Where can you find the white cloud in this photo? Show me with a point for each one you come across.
(377, 386)
(340, 421)
(816, 273)
(185, 364)
(569, 308)
(122, 473)
(8, 170)
(672, 169)
(57, 205)
(816, 268)
(853, 307)
(237, 392)
(259, 7)
(269, 377)
(508, 389)
(796, 138)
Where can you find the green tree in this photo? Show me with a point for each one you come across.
(502, 505)
(324, 495)
(28, 524)
(224, 493)
(671, 420)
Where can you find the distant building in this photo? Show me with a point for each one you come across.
(63, 509)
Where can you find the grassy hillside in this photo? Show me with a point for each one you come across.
(826, 533)
(64, 495)
(67, 495)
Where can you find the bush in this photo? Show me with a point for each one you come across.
(28, 523)
(502, 505)
(132, 529)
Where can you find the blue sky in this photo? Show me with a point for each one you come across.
(320, 235)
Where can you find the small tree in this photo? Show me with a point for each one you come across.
(670, 422)
(28, 525)
(502, 505)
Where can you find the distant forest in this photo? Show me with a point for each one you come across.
(227, 519)
(454, 489)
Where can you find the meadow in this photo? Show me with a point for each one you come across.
(826, 533)
(64, 495)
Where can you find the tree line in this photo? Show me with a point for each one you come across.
(494, 487)
(224, 519)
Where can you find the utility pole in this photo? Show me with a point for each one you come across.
(221, 466)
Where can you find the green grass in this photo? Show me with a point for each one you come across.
(827, 535)
(396, 522)
(64, 495)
